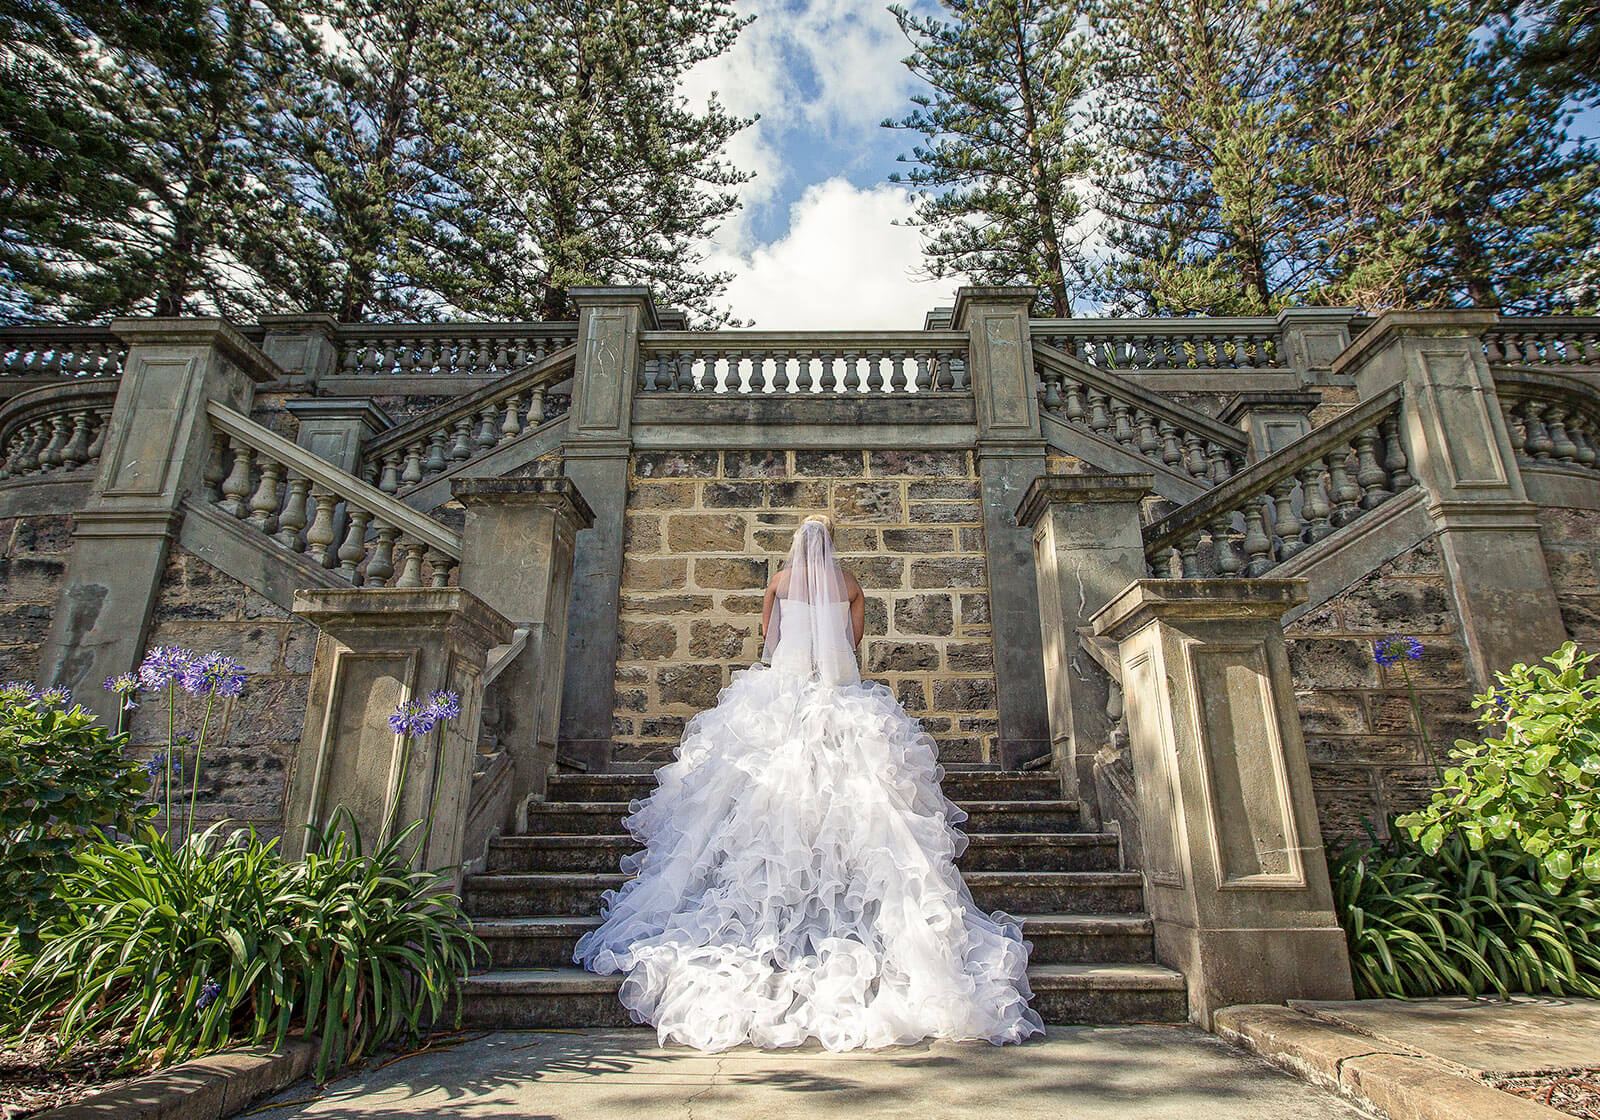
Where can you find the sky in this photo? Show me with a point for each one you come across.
(814, 246)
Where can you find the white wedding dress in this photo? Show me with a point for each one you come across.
(798, 878)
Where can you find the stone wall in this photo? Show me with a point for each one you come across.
(251, 737)
(704, 532)
(1366, 753)
(1571, 541)
(33, 559)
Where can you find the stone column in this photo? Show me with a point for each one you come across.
(1272, 420)
(1011, 454)
(516, 553)
(1311, 338)
(304, 345)
(334, 428)
(1087, 547)
(1455, 438)
(595, 454)
(154, 456)
(378, 647)
(1236, 880)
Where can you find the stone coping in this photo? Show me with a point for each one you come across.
(210, 1088)
(1401, 1081)
(1144, 600)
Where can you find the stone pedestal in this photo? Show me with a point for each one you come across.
(1272, 420)
(334, 428)
(1087, 547)
(1236, 879)
(377, 648)
(1460, 452)
(516, 554)
(1011, 454)
(1311, 338)
(305, 346)
(154, 456)
(595, 456)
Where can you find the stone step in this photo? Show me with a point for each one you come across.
(556, 894)
(603, 817)
(971, 786)
(548, 942)
(1063, 993)
(1020, 851)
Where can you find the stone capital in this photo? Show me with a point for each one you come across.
(620, 295)
(1147, 600)
(1010, 297)
(215, 333)
(372, 417)
(1068, 489)
(560, 495)
(445, 610)
(1393, 326)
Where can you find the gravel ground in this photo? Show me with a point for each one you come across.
(1573, 1091)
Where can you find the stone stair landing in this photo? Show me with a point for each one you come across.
(1093, 955)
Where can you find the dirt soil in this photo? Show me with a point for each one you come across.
(1573, 1091)
(31, 1081)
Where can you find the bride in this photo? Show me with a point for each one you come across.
(798, 878)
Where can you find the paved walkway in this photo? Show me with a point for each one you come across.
(1129, 1073)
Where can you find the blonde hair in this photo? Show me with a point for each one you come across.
(827, 522)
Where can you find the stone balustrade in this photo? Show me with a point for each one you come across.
(1551, 418)
(301, 503)
(1201, 344)
(55, 428)
(459, 430)
(60, 351)
(1288, 501)
(1159, 429)
(888, 362)
(486, 350)
(1544, 340)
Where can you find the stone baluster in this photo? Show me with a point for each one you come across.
(236, 487)
(511, 423)
(1195, 456)
(76, 451)
(440, 567)
(461, 448)
(1189, 556)
(322, 532)
(102, 419)
(1314, 507)
(1149, 441)
(1099, 412)
(354, 548)
(1257, 541)
(1224, 554)
(1122, 426)
(50, 456)
(1342, 489)
(1578, 430)
(1516, 430)
(488, 434)
(265, 501)
(1538, 442)
(380, 565)
(1561, 446)
(1286, 524)
(412, 553)
(293, 516)
(1394, 456)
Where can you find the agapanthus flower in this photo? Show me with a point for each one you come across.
(418, 717)
(445, 705)
(209, 991)
(56, 697)
(18, 691)
(125, 686)
(163, 665)
(1396, 647)
(156, 765)
(213, 673)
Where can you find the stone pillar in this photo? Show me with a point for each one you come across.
(1236, 880)
(305, 346)
(1011, 454)
(154, 456)
(516, 553)
(1087, 547)
(595, 454)
(334, 428)
(1459, 451)
(1272, 420)
(378, 647)
(1311, 338)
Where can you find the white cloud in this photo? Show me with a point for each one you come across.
(842, 265)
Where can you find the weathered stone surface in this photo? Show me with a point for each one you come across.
(1408, 606)
(732, 573)
(641, 533)
(732, 495)
(716, 640)
(924, 614)
(964, 694)
(632, 699)
(649, 574)
(830, 464)
(1332, 663)
(675, 464)
(1342, 713)
(742, 604)
(705, 532)
(946, 513)
(878, 572)
(918, 540)
(911, 694)
(755, 464)
(868, 501)
(661, 495)
(646, 641)
(889, 656)
(924, 464)
(951, 571)
(974, 613)
(969, 657)
(875, 617)
(942, 489)
(798, 495)
(666, 604)
(694, 685)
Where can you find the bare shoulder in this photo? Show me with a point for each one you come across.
(851, 585)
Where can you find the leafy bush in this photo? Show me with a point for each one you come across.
(1463, 920)
(219, 941)
(1536, 786)
(61, 776)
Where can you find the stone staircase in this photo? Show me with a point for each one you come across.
(1093, 955)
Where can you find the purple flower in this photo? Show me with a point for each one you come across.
(18, 691)
(125, 683)
(1396, 647)
(418, 717)
(445, 705)
(56, 697)
(163, 665)
(213, 673)
(208, 994)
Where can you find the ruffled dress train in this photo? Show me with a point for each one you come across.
(798, 882)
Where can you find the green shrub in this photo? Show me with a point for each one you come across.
(61, 776)
(1460, 920)
(1535, 787)
(219, 941)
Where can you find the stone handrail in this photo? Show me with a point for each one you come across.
(1157, 428)
(56, 427)
(1183, 344)
(487, 350)
(1550, 417)
(436, 441)
(1544, 340)
(804, 361)
(1282, 504)
(302, 503)
(60, 351)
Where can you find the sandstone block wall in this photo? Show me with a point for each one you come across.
(1571, 541)
(1365, 749)
(704, 532)
(252, 737)
(33, 560)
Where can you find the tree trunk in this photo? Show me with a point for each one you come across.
(1043, 193)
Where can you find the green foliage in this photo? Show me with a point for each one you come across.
(1535, 787)
(1463, 920)
(61, 776)
(222, 942)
